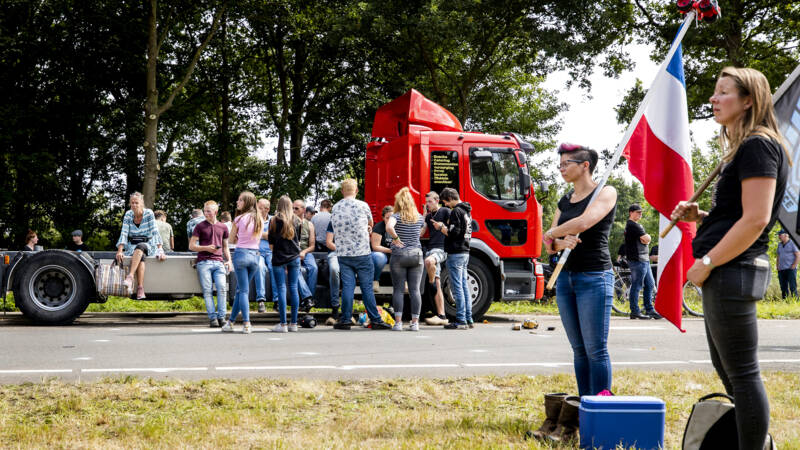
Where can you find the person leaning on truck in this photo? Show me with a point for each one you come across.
(435, 255)
(458, 231)
(210, 241)
(139, 238)
(585, 288)
(351, 220)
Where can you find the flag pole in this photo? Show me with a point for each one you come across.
(628, 133)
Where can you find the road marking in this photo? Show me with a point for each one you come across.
(274, 339)
(102, 340)
(205, 330)
(82, 358)
(308, 353)
(779, 360)
(636, 328)
(479, 351)
(397, 366)
(148, 369)
(422, 337)
(22, 371)
(116, 329)
(641, 363)
(521, 364)
(247, 368)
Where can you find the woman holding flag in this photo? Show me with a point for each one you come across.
(730, 248)
(585, 288)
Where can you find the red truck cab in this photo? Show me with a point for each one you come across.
(420, 145)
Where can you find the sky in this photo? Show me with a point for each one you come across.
(591, 120)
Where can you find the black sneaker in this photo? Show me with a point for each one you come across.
(455, 326)
(380, 325)
(220, 322)
(306, 304)
(342, 326)
(213, 323)
(640, 316)
(470, 324)
(261, 306)
(654, 315)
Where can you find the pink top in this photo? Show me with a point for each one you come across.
(244, 236)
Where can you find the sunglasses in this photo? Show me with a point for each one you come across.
(296, 208)
(564, 164)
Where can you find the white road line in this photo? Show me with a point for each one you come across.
(102, 340)
(148, 369)
(82, 358)
(778, 360)
(397, 366)
(246, 368)
(478, 350)
(642, 363)
(544, 364)
(308, 353)
(21, 371)
(700, 361)
(206, 330)
(635, 328)
(274, 339)
(422, 337)
(116, 329)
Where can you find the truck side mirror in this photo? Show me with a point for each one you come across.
(525, 181)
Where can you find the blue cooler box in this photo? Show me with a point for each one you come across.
(607, 421)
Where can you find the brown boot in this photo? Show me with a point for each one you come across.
(567, 429)
(552, 408)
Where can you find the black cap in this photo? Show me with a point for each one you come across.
(634, 207)
(311, 209)
(77, 233)
(783, 232)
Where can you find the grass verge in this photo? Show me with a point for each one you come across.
(477, 412)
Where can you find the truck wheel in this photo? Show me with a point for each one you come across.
(481, 288)
(53, 288)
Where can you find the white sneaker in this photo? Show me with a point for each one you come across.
(414, 326)
(436, 320)
(247, 329)
(376, 287)
(280, 328)
(228, 327)
(398, 326)
(292, 327)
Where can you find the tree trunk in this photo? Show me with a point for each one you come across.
(224, 132)
(151, 167)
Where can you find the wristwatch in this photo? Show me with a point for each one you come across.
(707, 262)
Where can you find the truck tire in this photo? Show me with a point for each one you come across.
(481, 285)
(53, 288)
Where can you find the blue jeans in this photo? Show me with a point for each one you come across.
(641, 275)
(293, 267)
(351, 266)
(333, 279)
(310, 264)
(265, 268)
(302, 286)
(459, 285)
(584, 303)
(213, 273)
(379, 259)
(787, 278)
(245, 260)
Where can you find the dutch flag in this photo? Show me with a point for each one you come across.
(659, 156)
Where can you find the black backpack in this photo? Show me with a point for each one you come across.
(712, 425)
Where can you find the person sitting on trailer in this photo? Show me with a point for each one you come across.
(139, 238)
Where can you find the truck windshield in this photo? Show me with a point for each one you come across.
(495, 173)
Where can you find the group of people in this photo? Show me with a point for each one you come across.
(255, 245)
(730, 246)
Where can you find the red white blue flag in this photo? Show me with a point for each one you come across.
(659, 156)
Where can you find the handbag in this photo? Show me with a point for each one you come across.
(110, 280)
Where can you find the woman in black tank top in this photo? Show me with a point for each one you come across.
(584, 289)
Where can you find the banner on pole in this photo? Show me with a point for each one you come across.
(787, 110)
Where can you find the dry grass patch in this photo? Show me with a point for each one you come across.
(472, 412)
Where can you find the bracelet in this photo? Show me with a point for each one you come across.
(395, 238)
(548, 241)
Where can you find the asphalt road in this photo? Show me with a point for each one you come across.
(166, 345)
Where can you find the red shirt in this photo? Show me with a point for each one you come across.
(209, 234)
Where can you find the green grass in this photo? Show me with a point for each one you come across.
(476, 412)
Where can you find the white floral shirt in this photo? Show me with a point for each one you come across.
(350, 219)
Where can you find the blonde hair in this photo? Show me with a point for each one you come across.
(349, 186)
(284, 212)
(757, 120)
(212, 204)
(249, 208)
(404, 206)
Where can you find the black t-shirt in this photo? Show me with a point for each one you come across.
(634, 249)
(756, 157)
(654, 251)
(436, 237)
(380, 230)
(591, 255)
(78, 248)
(283, 250)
